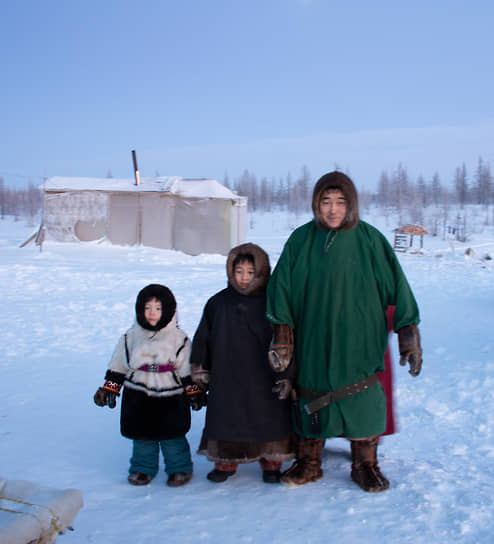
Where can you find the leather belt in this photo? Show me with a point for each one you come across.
(322, 398)
(155, 367)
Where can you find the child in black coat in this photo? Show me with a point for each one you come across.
(245, 419)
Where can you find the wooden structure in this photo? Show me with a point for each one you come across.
(404, 237)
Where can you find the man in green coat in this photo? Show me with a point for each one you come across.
(327, 300)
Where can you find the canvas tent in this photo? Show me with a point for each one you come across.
(190, 215)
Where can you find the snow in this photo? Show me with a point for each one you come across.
(63, 310)
(192, 188)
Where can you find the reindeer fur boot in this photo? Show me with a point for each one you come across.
(365, 470)
(307, 466)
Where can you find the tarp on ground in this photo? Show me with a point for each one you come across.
(30, 513)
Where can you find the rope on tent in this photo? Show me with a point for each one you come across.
(55, 523)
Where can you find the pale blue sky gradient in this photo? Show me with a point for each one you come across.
(199, 88)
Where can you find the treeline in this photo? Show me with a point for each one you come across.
(289, 193)
(400, 192)
(395, 190)
(424, 201)
(453, 208)
(20, 202)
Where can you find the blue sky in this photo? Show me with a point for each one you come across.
(199, 88)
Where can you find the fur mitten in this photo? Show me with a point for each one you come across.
(410, 348)
(281, 348)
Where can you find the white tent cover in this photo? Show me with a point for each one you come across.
(190, 215)
(174, 185)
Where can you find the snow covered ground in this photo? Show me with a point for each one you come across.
(63, 310)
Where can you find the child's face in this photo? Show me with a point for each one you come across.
(152, 311)
(243, 273)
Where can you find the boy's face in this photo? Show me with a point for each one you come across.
(152, 311)
(243, 273)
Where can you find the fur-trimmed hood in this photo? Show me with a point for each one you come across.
(261, 264)
(341, 182)
(168, 305)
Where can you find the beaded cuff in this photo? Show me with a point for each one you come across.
(112, 387)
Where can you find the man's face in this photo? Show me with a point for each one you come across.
(333, 208)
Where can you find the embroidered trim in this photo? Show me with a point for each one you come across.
(113, 387)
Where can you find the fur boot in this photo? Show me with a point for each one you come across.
(307, 466)
(365, 470)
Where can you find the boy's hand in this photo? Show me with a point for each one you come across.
(283, 388)
(200, 377)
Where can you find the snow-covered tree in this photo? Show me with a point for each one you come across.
(461, 185)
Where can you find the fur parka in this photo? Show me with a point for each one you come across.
(244, 420)
(154, 405)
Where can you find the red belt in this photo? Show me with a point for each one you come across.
(154, 367)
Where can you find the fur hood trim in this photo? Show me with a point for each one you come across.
(168, 305)
(261, 264)
(341, 182)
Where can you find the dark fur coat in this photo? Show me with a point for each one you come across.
(244, 420)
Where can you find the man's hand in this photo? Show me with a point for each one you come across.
(280, 352)
(410, 348)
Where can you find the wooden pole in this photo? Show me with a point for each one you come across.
(136, 170)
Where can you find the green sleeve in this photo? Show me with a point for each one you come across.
(395, 289)
(279, 290)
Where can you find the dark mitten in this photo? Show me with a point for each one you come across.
(283, 388)
(107, 395)
(281, 348)
(102, 397)
(410, 348)
(196, 396)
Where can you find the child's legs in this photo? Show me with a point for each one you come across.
(269, 465)
(176, 453)
(145, 457)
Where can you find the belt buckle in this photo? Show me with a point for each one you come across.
(153, 367)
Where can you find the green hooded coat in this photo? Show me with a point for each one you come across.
(333, 289)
